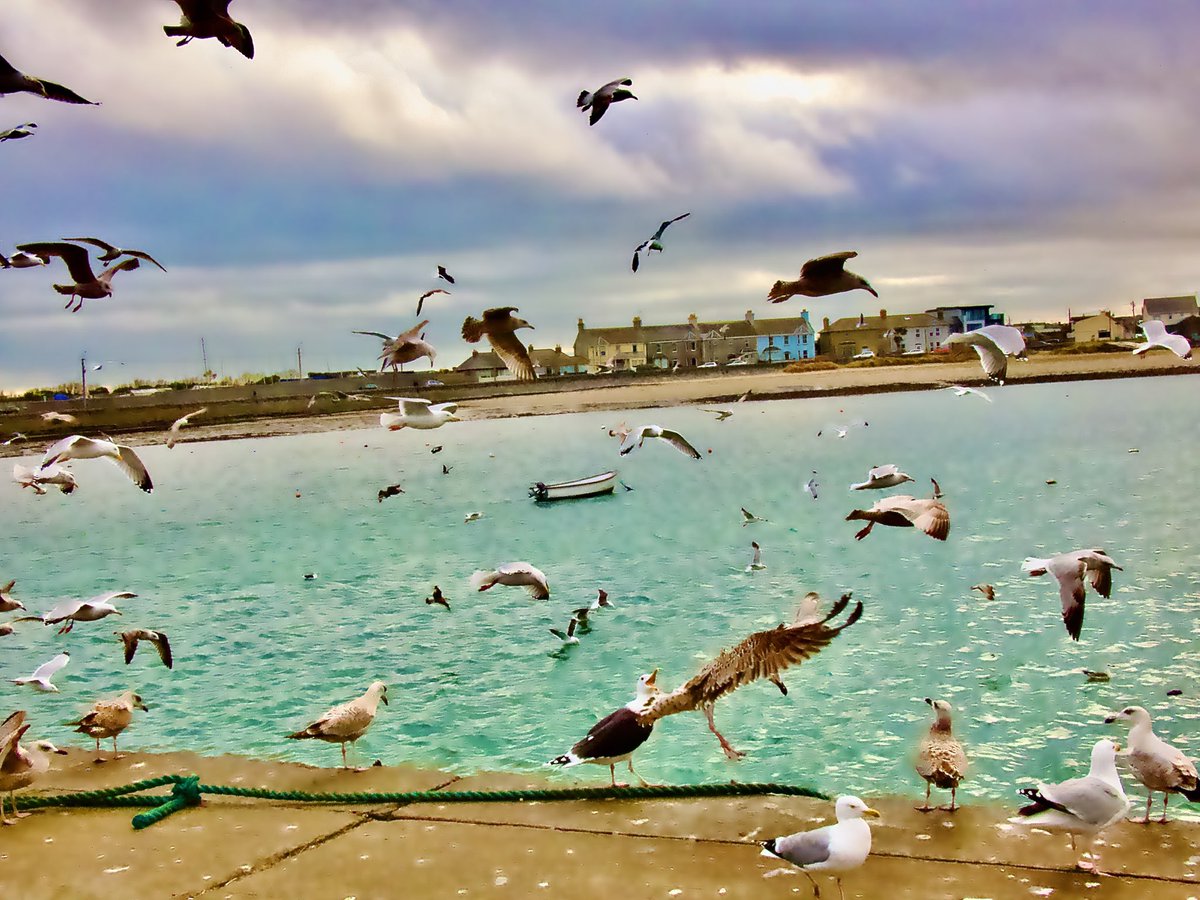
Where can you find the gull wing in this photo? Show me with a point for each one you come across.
(513, 353)
(132, 465)
(443, 407)
(110, 251)
(1092, 800)
(53, 91)
(632, 440)
(1154, 329)
(1069, 573)
(163, 646)
(141, 254)
(110, 597)
(10, 732)
(931, 516)
(805, 847)
(413, 406)
(679, 442)
(993, 359)
(1007, 338)
(65, 448)
(663, 227)
(64, 611)
(125, 265)
(76, 258)
(183, 420)
(826, 266)
(47, 669)
(881, 471)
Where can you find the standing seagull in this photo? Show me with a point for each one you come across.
(614, 738)
(994, 344)
(941, 760)
(834, 848)
(108, 718)
(417, 413)
(514, 574)
(79, 447)
(14, 82)
(882, 477)
(20, 766)
(1069, 569)
(406, 347)
(88, 285)
(421, 300)
(635, 438)
(112, 252)
(654, 242)
(599, 101)
(15, 134)
(500, 326)
(346, 723)
(173, 433)
(902, 511)
(821, 277)
(1083, 806)
(40, 679)
(158, 638)
(1155, 763)
(1157, 336)
(211, 19)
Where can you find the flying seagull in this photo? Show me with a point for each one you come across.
(721, 414)
(500, 326)
(882, 477)
(79, 447)
(90, 610)
(438, 598)
(941, 760)
(7, 602)
(23, 260)
(112, 252)
(108, 718)
(961, 391)
(14, 82)
(446, 469)
(514, 574)
(390, 491)
(88, 285)
(417, 413)
(15, 134)
(614, 738)
(812, 486)
(445, 276)
(1157, 337)
(211, 19)
(842, 430)
(173, 434)
(567, 637)
(347, 722)
(40, 679)
(635, 438)
(39, 478)
(1069, 570)
(1155, 763)
(834, 848)
(902, 511)
(406, 347)
(988, 591)
(601, 601)
(52, 416)
(821, 277)
(654, 242)
(994, 344)
(748, 517)
(158, 638)
(421, 300)
(598, 101)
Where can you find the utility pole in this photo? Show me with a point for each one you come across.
(299, 364)
(204, 356)
(83, 376)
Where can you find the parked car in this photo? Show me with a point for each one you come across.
(434, 383)
(864, 354)
(707, 365)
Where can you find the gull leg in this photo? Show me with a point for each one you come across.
(1149, 800)
(926, 807)
(1092, 866)
(1166, 797)
(816, 887)
(116, 755)
(953, 801)
(99, 758)
(730, 753)
(644, 782)
(862, 534)
(841, 893)
(612, 774)
(12, 801)
(345, 765)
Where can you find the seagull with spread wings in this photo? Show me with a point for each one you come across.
(112, 252)
(654, 242)
(88, 285)
(598, 101)
(500, 326)
(158, 638)
(514, 574)
(20, 131)
(211, 19)
(417, 413)
(1157, 337)
(821, 277)
(903, 511)
(1069, 570)
(173, 433)
(22, 260)
(425, 296)
(994, 344)
(406, 347)
(79, 447)
(40, 679)
(90, 610)
(637, 436)
(15, 82)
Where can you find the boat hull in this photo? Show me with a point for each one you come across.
(592, 486)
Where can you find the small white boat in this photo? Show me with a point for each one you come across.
(592, 486)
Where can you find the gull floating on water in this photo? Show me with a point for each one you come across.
(820, 277)
(79, 447)
(438, 598)
(567, 637)
(88, 285)
(406, 347)
(15, 82)
(173, 433)
(902, 511)
(961, 391)
(1081, 806)
(472, 517)
(1069, 570)
(882, 477)
(211, 19)
(514, 574)
(417, 413)
(130, 640)
(1096, 676)
(20, 766)
(615, 737)
(635, 438)
(113, 252)
(108, 718)
(500, 326)
(941, 760)
(988, 591)
(90, 610)
(1155, 763)
(834, 848)
(599, 100)
(16, 134)
(654, 242)
(347, 722)
(1157, 337)
(40, 679)
(994, 344)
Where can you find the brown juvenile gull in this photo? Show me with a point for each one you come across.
(834, 848)
(59, 417)
(994, 344)
(1155, 763)
(438, 597)
(158, 638)
(988, 591)
(614, 738)
(654, 242)
(820, 277)
(514, 574)
(7, 602)
(211, 19)
(500, 326)
(15, 134)
(1069, 569)
(763, 654)
(1157, 336)
(599, 100)
(112, 252)
(20, 766)
(92, 609)
(635, 439)
(390, 491)
(421, 300)
(173, 433)
(79, 447)
(108, 718)
(14, 82)
(347, 722)
(941, 760)
(88, 285)
(406, 347)
(902, 511)
(882, 477)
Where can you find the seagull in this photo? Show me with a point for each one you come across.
(40, 679)
(621, 431)
(763, 654)
(598, 101)
(16, 437)
(211, 19)
(514, 574)
(472, 517)
(569, 636)
(438, 598)
(842, 430)
(1096, 677)
(406, 347)
(654, 242)
(173, 435)
(445, 276)
(500, 326)
(78, 447)
(748, 517)
(158, 638)
(756, 563)
(20, 766)
(1155, 763)
(421, 300)
(22, 260)
(821, 277)
(420, 414)
(987, 590)
(390, 491)
(834, 848)
(746, 396)
(91, 610)
(88, 285)
(1157, 336)
(112, 252)
(1069, 569)
(812, 486)
(15, 134)
(108, 718)
(903, 511)
(941, 760)
(882, 477)
(994, 344)
(446, 469)
(59, 417)
(437, 449)
(634, 439)
(14, 82)
(347, 722)
(601, 601)
(721, 414)
(7, 603)
(614, 738)
(624, 485)
(961, 391)
(39, 478)
(1084, 806)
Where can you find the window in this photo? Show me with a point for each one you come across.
(601, 352)
(634, 350)
(787, 339)
(691, 345)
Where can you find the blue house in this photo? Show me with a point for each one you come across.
(969, 318)
(781, 340)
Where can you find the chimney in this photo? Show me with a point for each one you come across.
(558, 348)
(827, 323)
(637, 321)
(692, 320)
(804, 314)
(750, 317)
(581, 324)
(474, 353)
(883, 314)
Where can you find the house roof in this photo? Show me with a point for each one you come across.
(547, 358)
(1169, 306)
(879, 323)
(734, 328)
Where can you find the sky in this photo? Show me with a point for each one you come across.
(1039, 157)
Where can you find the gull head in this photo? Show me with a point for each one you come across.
(1135, 715)
(137, 702)
(646, 687)
(47, 747)
(866, 286)
(851, 807)
(379, 689)
(521, 323)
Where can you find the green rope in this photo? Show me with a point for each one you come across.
(188, 791)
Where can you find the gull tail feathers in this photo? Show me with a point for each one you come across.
(482, 580)
(566, 760)
(472, 330)
(1035, 566)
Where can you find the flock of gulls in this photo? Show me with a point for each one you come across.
(1081, 807)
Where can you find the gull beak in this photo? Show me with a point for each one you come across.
(653, 675)
(1109, 720)
(143, 706)
(930, 702)
(384, 698)
(870, 813)
(60, 752)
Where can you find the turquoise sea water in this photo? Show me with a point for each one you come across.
(217, 556)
